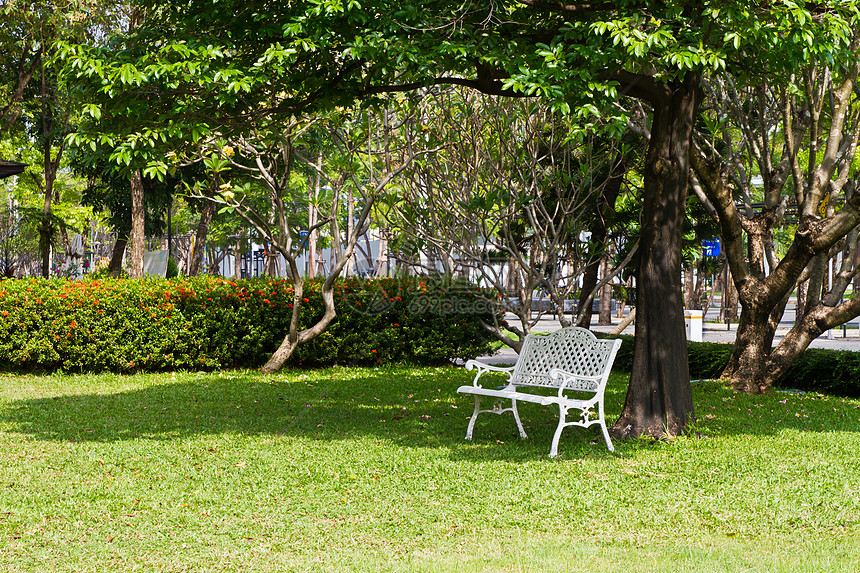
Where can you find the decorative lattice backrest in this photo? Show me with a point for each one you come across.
(573, 349)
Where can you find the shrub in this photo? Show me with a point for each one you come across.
(827, 371)
(204, 323)
(819, 370)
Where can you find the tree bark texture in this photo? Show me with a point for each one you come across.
(46, 234)
(659, 400)
(800, 306)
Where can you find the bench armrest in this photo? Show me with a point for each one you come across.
(568, 378)
(483, 368)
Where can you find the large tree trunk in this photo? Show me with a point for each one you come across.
(659, 399)
(138, 218)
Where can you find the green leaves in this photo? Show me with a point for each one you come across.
(233, 60)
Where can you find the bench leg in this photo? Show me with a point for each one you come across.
(562, 423)
(606, 436)
(496, 410)
(517, 418)
(604, 429)
(562, 416)
(474, 417)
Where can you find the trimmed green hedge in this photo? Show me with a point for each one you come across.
(817, 370)
(205, 323)
(828, 371)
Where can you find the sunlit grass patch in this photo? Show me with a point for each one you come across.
(349, 469)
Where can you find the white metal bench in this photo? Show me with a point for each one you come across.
(571, 362)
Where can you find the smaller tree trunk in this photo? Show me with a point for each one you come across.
(138, 215)
(619, 328)
(754, 343)
(196, 257)
(689, 287)
(589, 281)
(313, 197)
(698, 298)
(296, 337)
(46, 233)
(115, 266)
(800, 306)
(349, 270)
(237, 260)
(812, 324)
(730, 298)
(605, 312)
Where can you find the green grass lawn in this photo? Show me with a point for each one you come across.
(367, 470)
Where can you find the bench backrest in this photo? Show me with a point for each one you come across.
(573, 349)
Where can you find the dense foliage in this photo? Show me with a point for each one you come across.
(205, 323)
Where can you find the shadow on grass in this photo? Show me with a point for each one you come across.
(412, 407)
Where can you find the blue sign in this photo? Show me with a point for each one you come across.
(711, 248)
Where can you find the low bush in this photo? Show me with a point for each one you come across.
(205, 323)
(816, 370)
(827, 371)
